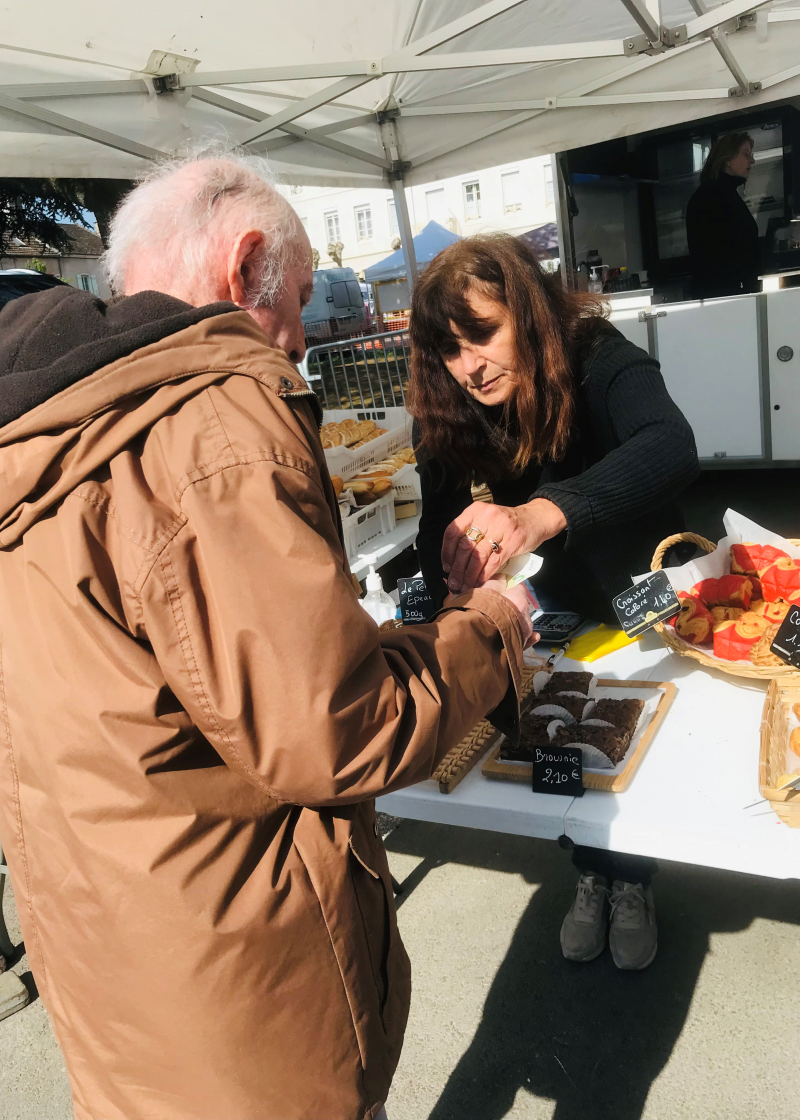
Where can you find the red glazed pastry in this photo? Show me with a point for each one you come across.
(733, 640)
(727, 591)
(751, 559)
(694, 623)
(781, 580)
(771, 612)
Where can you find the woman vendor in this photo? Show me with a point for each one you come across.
(724, 249)
(525, 386)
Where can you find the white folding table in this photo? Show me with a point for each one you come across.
(694, 799)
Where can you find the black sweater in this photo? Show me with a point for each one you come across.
(723, 240)
(631, 454)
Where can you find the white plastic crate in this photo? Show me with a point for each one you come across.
(407, 486)
(346, 463)
(367, 524)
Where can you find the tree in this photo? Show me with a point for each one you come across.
(315, 259)
(30, 209)
(100, 196)
(335, 250)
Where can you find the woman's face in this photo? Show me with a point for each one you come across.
(742, 163)
(486, 369)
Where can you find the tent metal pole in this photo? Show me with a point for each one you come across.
(726, 54)
(80, 128)
(404, 222)
(566, 247)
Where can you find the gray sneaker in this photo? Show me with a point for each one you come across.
(633, 939)
(583, 931)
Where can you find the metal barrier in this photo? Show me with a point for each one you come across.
(370, 372)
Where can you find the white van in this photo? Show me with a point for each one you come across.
(336, 308)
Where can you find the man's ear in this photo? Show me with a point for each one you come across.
(245, 262)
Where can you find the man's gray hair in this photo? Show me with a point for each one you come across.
(183, 206)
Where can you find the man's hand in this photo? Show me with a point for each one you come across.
(514, 529)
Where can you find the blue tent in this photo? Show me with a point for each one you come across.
(427, 244)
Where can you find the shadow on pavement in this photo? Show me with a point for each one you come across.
(589, 1037)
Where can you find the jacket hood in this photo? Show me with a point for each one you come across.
(80, 380)
(50, 340)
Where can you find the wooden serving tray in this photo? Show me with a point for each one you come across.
(613, 783)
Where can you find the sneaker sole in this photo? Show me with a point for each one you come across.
(583, 960)
(635, 967)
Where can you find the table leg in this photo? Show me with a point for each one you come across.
(6, 947)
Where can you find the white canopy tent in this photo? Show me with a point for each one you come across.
(388, 92)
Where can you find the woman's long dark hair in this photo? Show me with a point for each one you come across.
(551, 326)
(724, 149)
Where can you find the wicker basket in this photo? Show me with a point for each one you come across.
(772, 760)
(674, 641)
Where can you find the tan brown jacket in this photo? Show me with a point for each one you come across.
(196, 716)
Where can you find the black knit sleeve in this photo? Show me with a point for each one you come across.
(655, 459)
(442, 502)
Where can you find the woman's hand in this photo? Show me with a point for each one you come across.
(514, 529)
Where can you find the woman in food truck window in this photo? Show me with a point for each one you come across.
(525, 386)
(722, 233)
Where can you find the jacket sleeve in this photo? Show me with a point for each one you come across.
(656, 458)
(260, 635)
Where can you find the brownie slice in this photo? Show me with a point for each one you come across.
(532, 733)
(567, 682)
(572, 704)
(606, 739)
(624, 714)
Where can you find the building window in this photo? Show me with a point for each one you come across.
(511, 182)
(472, 200)
(332, 225)
(363, 223)
(303, 222)
(394, 228)
(548, 184)
(88, 284)
(436, 206)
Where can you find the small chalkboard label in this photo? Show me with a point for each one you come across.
(786, 643)
(646, 603)
(416, 604)
(558, 770)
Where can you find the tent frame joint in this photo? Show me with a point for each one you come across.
(166, 83)
(383, 116)
(398, 171)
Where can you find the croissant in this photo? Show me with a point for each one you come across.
(694, 623)
(727, 591)
(772, 612)
(751, 559)
(734, 639)
(781, 580)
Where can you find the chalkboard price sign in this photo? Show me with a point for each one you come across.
(558, 770)
(416, 604)
(786, 643)
(646, 603)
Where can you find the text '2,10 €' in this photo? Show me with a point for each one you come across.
(646, 603)
(558, 770)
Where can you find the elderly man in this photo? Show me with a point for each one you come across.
(196, 712)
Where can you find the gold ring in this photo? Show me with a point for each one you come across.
(474, 534)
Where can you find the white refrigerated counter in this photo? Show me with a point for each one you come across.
(733, 367)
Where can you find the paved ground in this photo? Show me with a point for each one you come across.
(502, 1026)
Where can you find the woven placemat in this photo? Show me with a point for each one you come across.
(458, 762)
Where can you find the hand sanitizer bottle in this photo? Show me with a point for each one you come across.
(378, 605)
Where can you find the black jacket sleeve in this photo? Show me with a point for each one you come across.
(442, 502)
(650, 450)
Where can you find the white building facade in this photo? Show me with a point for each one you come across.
(512, 198)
